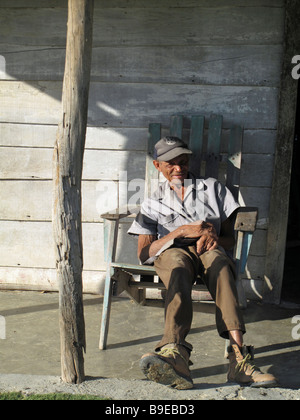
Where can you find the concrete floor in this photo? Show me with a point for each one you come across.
(32, 338)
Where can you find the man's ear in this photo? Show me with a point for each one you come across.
(156, 164)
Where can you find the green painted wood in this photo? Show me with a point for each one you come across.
(154, 137)
(213, 146)
(234, 160)
(151, 175)
(176, 126)
(136, 269)
(196, 144)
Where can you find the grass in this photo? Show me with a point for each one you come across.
(18, 396)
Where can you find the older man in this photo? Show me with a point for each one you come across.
(185, 228)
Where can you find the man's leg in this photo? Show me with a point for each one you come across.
(236, 337)
(219, 274)
(177, 268)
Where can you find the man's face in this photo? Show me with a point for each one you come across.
(175, 170)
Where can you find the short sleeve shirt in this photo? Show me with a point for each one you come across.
(206, 199)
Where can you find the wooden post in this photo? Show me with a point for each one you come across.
(67, 174)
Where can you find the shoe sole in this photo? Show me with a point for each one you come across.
(267, 384)
(160, 371)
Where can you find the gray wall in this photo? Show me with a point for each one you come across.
(151, 59)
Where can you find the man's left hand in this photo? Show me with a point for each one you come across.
(208, 242)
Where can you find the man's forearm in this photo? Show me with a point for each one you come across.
(149, 245)
(192, 231)
(155, 246)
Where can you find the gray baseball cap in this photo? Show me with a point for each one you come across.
(169, 148)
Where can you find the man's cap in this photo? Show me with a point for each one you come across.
(169, 148)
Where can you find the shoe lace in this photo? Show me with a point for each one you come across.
(246, 362)
(172, 352)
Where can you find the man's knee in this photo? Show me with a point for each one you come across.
(212, 255)
(175, 267)
(215, 258)
(176, 257)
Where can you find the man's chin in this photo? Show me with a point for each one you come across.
(177, 182)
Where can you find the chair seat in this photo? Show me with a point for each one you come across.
(146, 270)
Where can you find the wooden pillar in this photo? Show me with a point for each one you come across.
(67, 174)
(279, 207)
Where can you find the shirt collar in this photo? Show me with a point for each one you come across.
(191, 182)
(168, 197)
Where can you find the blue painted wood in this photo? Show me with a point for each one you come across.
(238, 251)
(247, 240)
(243, 246)
(106, 225)
(112, 231)
(238, 265)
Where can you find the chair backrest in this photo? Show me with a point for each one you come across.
(208, 159)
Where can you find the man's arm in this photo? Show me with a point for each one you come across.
(149, 245)
(146, 242)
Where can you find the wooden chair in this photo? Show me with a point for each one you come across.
(206, 160)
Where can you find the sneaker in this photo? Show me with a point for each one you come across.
(243, 371)
(169, 366)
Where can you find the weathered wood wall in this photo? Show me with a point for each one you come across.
(151, 59)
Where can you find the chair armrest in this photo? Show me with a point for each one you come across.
(121, 213)
(246, 219)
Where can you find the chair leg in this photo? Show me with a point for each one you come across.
(240, 257)
(110, 236)
(106, 311)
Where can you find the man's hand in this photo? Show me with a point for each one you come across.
(195, 230)
(207, 242)
(208, 238)
(203, 232)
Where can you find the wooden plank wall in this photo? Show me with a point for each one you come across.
(151, 59)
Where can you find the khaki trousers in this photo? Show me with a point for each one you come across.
(178, 269)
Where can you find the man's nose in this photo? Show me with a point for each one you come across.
(178, 168)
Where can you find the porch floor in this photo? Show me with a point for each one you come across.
(32, 344)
